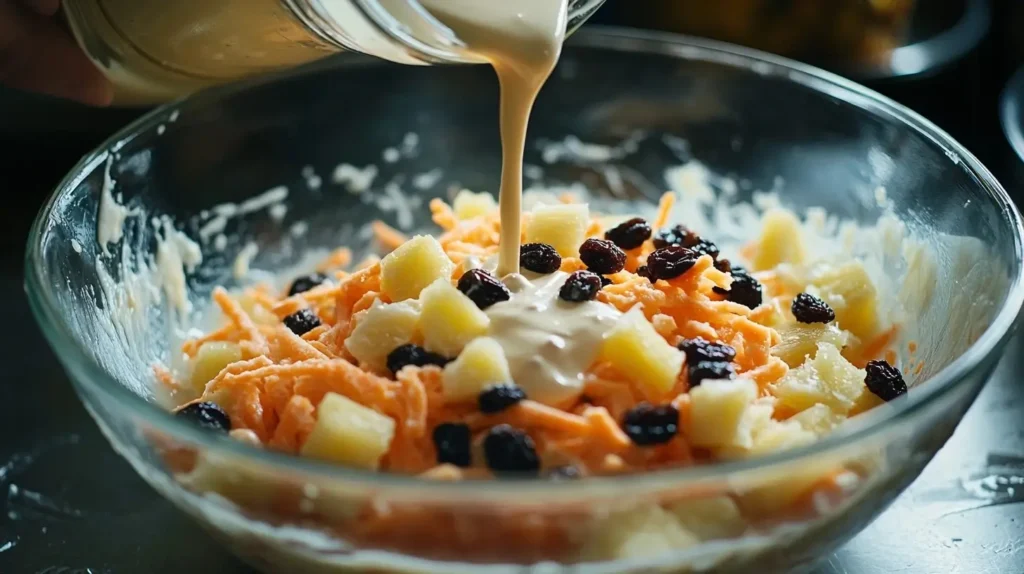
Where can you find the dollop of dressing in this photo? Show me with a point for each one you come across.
(548, 342)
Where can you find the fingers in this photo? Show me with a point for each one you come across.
(37, 55)
(43, 7)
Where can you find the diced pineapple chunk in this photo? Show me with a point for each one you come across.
(211, 359)
(346, 432)
(257, 312)
(778, 436)
(800, 341)
(865, 402)
(638, 352)
(415, 264)
(721, 415)
(468, 205)
(827, 379)
(710, 518)
(851, 294)
(643, 533)
(449, 320)
(563, 227)
(781, 241)
(818, 419)
(481, 364)
(380, 330)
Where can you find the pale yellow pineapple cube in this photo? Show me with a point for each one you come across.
(720, 414)
(381, 329)
(257, 312)
(449, 319)
(828, 379)
(865, 402)
(482, 363)
(850, 292)
(642, 533)
(468, 205)
(210, 360)
(800, 341)
(348, 433)
(562, 226)
(818, 419)
(780, 435)
(781, 241)
(638, 352)
(710, 518)
(415, 264)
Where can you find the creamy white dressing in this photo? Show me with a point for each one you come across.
(548, 342)
(112, 215)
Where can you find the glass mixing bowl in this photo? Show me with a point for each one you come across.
(623, 108)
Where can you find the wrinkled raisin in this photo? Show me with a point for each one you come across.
(497, 398)
(566, 472)
(483, 288)
(809, 309)
(744, 290)
(629, 234)
(452, 442)
(302, 321)
(206, 415)
(510, 451)
(305, 283)
(884, 380)
(701, 349)
(670, 262)
(702, 246)
(697, 373)
(602, 257)
(644, 272)
(580, 286)
(539, 258)
(415, 355)
(605, 281)
(723, 265)
(647, 424)
(675, 235)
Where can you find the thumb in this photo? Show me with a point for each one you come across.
(37, 55)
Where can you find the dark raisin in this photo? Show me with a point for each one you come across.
(497, 398)
(629, 234)
(206, 415)
(302, 321)
(644, 272)
(602, 257)
(539, 258)
(452, 443)
(884, 380)
(744, 290)
(566, 472)
(723, 265)
(415, 355)
(701, 349)
(483, 288)
(509, 450)
(697, 373)
(306, 282)
(647, 424)
(675, 235)
(580, 286)
(670, 262)
(605, 281)
(809, 309)
(702, 246)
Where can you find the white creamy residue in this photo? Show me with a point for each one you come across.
(176, 255)
(244, 258)
(549, 343)
(357, 180)
(112, 215)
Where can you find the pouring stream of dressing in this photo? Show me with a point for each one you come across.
(522, 40)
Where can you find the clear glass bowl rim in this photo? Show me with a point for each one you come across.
(85, 371)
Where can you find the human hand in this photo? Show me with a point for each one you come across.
(37, 54)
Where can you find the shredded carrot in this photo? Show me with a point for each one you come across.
(668, 200)
(388, 237)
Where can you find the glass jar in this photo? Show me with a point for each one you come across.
(154, 50)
